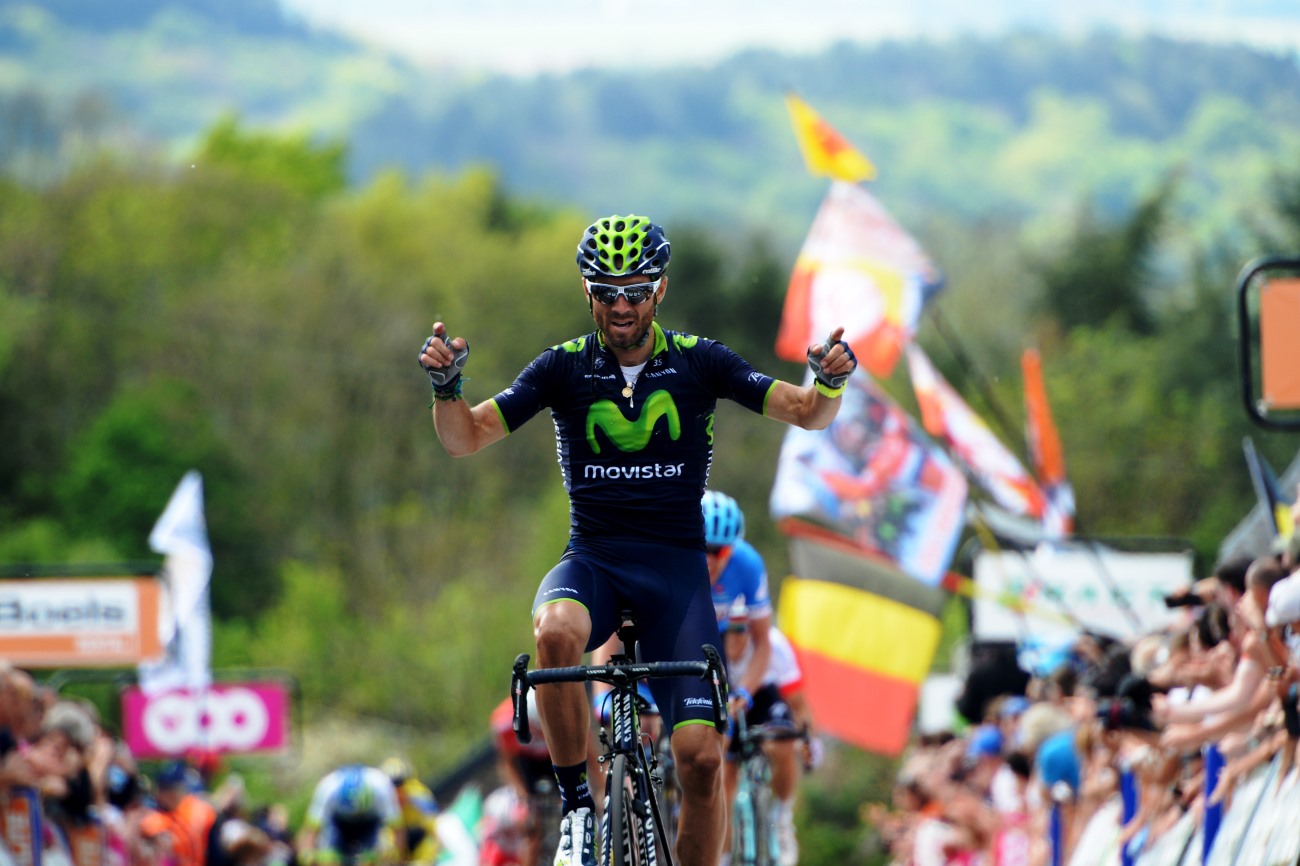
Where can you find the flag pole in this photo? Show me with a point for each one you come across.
(971, 371)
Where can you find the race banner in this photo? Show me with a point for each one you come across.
(1047, 596)
(946, 415)
(84, 622)
(875, 478)
(860, 269)
(242, 718)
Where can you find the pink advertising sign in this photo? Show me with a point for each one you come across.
(227, 717)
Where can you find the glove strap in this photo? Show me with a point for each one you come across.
(827, 391)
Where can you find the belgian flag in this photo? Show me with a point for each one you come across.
(865, 634)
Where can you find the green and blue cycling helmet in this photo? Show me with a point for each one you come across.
(617, 246)
(724, 522)
(354, 799)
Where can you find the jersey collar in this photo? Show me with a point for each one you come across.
(661, 339)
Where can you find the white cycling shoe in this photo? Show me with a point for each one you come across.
(788, 852)
(577, 839)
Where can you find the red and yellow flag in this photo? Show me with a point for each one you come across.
(825, 151)
(860, 270)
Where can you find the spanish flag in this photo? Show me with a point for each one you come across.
(864, 634)
(825, 151)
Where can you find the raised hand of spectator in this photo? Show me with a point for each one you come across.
(17, 771)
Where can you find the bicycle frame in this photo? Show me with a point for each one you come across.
(754, 840)
(631, 763)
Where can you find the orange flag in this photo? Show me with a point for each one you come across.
(825, 151)
(1045, 448)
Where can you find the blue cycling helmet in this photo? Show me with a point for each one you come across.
(355, 798)
(724, 522)
(618, 246)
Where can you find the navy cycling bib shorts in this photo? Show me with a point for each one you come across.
(666, 588)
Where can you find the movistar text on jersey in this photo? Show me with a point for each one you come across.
(633, 473)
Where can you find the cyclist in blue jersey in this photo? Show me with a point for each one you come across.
(633, 407)
(737, 571)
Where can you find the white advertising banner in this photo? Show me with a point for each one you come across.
(91, 622)
(1053, 592)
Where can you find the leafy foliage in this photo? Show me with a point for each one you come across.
(245, 312)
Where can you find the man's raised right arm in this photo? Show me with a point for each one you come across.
(461, 429)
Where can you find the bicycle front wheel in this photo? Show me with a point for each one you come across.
(618, 846)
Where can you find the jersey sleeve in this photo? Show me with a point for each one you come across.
(731, 376)
(783, 667)
(758, 598)
(386, 802)
(320, 799)
(529, 394)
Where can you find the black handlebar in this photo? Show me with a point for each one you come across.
(519, 698)
(615, 674)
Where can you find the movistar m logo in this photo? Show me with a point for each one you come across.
(632, 435)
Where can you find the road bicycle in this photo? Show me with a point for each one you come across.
(755, 840)
(634, 829)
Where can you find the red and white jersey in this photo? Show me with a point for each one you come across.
(782, 667)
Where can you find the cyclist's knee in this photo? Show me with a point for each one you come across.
(697, 750)
(561, 631)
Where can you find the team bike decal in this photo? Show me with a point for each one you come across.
(632, 435)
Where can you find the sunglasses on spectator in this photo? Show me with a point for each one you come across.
(637, 293)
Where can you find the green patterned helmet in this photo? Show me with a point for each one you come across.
(617, 246)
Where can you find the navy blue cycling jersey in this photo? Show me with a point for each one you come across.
(635, 467)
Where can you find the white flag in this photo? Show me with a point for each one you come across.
(185, 626)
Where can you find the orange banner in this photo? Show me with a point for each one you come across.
(84, 622)
(1279, 310)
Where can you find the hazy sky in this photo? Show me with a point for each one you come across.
(523, 36)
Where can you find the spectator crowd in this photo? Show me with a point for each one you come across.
(73, 794)
(1119, 749)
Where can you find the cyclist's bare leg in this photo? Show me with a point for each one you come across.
(561, 630)
(697, 750)
(785, 768)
